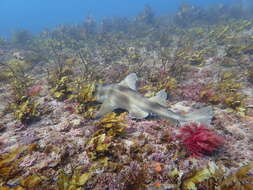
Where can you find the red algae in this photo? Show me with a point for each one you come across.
(34, 91)
(199, 140)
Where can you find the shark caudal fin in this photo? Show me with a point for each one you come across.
(203, 115)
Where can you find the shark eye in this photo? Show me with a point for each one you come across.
(95, 90)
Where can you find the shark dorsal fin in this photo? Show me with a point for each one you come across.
(130, 81)
(160, 98)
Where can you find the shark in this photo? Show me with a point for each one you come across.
(124, 95)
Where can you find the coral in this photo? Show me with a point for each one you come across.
(132, 176)
(199, 140)
(135, 176)
(191, 91)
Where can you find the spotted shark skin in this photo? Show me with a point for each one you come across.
(124, 96)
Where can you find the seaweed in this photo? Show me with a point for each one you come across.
(83, 94)
(199, 140)
(11, 172)
(75, 181)
(241, 179)
(214, 177)
(192, 179)
(166, 52)
(22, 38)
(109, 127)
(250, 74)
(23, 105)
(226, 91)
(9, 163)
(59, 81)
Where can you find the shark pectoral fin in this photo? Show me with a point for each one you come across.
(130, 81)
(105, 108)
(160, 98)
(203, 115)
(138, 113)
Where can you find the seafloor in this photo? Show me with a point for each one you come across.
(49, 138)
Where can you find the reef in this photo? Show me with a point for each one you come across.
(51, 140)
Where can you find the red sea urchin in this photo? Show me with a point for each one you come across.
(198, 139)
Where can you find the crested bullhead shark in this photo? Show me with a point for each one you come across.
(123, 95)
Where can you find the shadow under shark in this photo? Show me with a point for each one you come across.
(123, 95)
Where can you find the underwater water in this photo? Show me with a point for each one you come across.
(38, 15)
(126, 95)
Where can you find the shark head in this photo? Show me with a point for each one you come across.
(101, 93)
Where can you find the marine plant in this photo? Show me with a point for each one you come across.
(88, 67)
(133, 56)
(10, 170)
(214, 177)
(167, 83)
(196, 58)
(191, 91)
(199, 140)
(106, 149)
(23, 101)
(83, 94)
(18, 67)
(109, 127)
(2, 41)
(241, 179)
(192, 179)
(22, 38)
(60, 80)
(234, 51)
(225, 91)
(147, 16)
(250, 74)
(74, 181)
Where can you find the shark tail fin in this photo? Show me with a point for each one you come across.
(160, 98)
(203, 115)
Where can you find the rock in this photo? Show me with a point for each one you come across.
(249, 111)
(2, 128)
